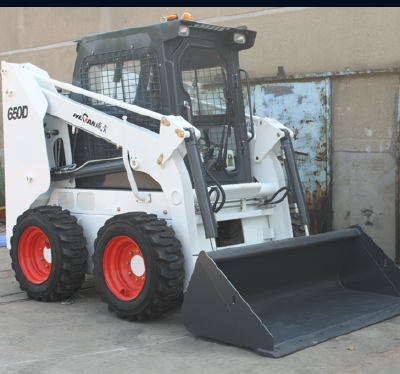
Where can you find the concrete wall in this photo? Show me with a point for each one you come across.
(336, 41)
(303, 40)
(364, 114)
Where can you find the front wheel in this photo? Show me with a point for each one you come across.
(48, 253)
(138, 265)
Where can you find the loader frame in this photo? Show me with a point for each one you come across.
(161, 156)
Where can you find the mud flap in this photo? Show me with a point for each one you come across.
(280, 297)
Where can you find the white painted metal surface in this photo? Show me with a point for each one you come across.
(29, 157)
(25, 153)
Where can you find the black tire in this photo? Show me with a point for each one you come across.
(68, 255)
(163, 261)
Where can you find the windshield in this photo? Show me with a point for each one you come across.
(205, 79)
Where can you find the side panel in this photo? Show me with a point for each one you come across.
(25, 154)
(93, 207)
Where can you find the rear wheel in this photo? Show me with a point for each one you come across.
(48, 253)
(138, 265)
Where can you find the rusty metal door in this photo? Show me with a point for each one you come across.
(303, 106)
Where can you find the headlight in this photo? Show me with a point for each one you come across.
(239, 38)
(183, 30)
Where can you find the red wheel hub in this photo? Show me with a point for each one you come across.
(124, 268)
(34, 255)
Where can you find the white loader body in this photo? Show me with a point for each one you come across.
(32, 104)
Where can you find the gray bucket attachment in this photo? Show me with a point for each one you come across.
(280, 297)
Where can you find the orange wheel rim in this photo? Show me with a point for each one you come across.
(34, 255)
(124, 268)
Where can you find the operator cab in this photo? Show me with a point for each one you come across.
(180, 67)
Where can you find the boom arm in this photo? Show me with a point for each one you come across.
(28, 166)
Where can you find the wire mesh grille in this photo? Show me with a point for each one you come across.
(212, 111)
(131, 76)
(207, 90)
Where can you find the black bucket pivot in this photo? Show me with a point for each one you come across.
(280, 297)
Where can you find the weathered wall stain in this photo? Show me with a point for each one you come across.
(277, 90)
(369, 215)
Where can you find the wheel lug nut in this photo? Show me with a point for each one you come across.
(137, 251)
(127, 262)
(130, 253)
(46, 266)
(44, 241)
(129, 273)
(136, 280)
(40, 249)
(41, 259)
(143, 278)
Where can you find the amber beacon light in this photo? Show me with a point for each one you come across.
(173, 17)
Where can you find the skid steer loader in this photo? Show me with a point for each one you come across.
(147, 172)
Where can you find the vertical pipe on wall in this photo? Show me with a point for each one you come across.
(328, 96)
(397, 203)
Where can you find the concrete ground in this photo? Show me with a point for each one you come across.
(84, 337)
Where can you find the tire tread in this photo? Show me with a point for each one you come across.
(168, 258)
(73, 252)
